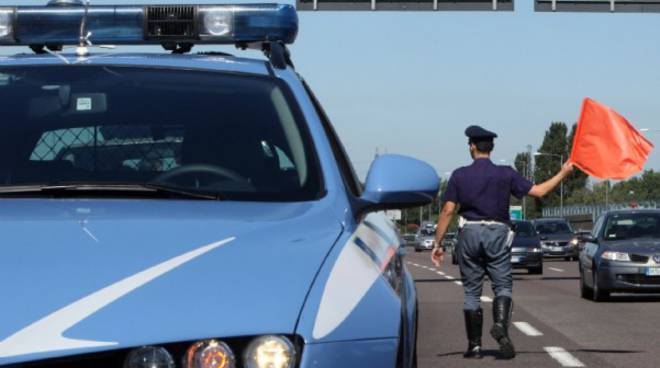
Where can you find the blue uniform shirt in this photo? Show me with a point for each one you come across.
(483, 190)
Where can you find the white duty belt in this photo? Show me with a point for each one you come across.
(462, 222)
(509, 240)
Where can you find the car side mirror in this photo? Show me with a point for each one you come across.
(396, 181)
(587, 239)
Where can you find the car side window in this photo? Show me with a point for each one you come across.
(345, 166)
(597, 227)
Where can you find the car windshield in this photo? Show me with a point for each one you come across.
(553, 227)
(524, 229)
(237, 136)
(633, 225)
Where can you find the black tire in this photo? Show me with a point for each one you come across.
(585, 291)
(599, 295)
(567, 259)
(454, 259)
(417, 250)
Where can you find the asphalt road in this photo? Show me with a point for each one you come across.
(554, 327)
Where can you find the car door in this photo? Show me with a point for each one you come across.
(589, 250)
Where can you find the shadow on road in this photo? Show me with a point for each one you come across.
(495, 353)
(632, 298)
(436, 280)
(517, 277)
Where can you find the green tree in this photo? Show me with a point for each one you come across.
(554, 146)
(523, 164)
(578, 179)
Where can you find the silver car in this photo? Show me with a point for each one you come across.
(621, 255)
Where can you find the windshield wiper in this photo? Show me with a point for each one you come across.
(125, 188)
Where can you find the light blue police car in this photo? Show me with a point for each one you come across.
(188, 210)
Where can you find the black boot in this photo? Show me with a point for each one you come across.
(502, 308)
(474, 320)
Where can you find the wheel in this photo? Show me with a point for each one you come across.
(417, 250)
(585, 291)
(567, 259)
(599, 295)
(454, 259)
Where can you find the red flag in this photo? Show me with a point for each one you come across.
(606, 145)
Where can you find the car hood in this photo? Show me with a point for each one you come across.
(556, 237)
(525, 242)
(87, 275)
(638, 246)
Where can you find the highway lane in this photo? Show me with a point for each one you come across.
(555, 327)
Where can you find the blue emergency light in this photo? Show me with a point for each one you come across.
(59, 23)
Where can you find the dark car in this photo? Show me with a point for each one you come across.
(526, 249)
(449, 241)
(557, 238)
(621, 255)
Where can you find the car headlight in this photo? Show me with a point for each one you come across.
(574, 242)
(536, 250)
(270, 352)
(209, 354)
(149, 357)
(616, 256)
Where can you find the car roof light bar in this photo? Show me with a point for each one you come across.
(60, 24)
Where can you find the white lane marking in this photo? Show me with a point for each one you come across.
(440, 273)
(556, 269)
(46, 334)
(449, 277)
(486, 299)
(459, 283)
(527, 329)
(563, 357)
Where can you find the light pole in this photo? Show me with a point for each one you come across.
(561, 183)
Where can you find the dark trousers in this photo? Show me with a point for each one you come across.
(483, 249)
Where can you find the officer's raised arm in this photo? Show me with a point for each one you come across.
(541, 190)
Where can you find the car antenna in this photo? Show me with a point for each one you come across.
(83, 40)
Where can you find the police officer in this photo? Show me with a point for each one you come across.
(482, 191)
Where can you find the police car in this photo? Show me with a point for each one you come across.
(188, 210)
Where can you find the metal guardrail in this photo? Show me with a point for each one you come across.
(594, 210)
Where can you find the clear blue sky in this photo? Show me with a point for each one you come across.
(410, 82)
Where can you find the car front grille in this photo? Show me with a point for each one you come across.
(639, 258)
(638, 279)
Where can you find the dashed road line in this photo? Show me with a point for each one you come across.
(448, 277)
(527, 329)
(562, 356)
(459, 283)
(486, 299)
(440, 273)
(556, 269)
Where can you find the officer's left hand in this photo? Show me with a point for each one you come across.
(437, 256)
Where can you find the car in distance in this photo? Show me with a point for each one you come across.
(526, 249)
(410, 239)
(186, 210)
(557, 238)
(621, 255)
(425, 239)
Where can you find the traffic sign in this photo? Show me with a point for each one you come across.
(515, 213)
(431, 5)
(611, 6)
